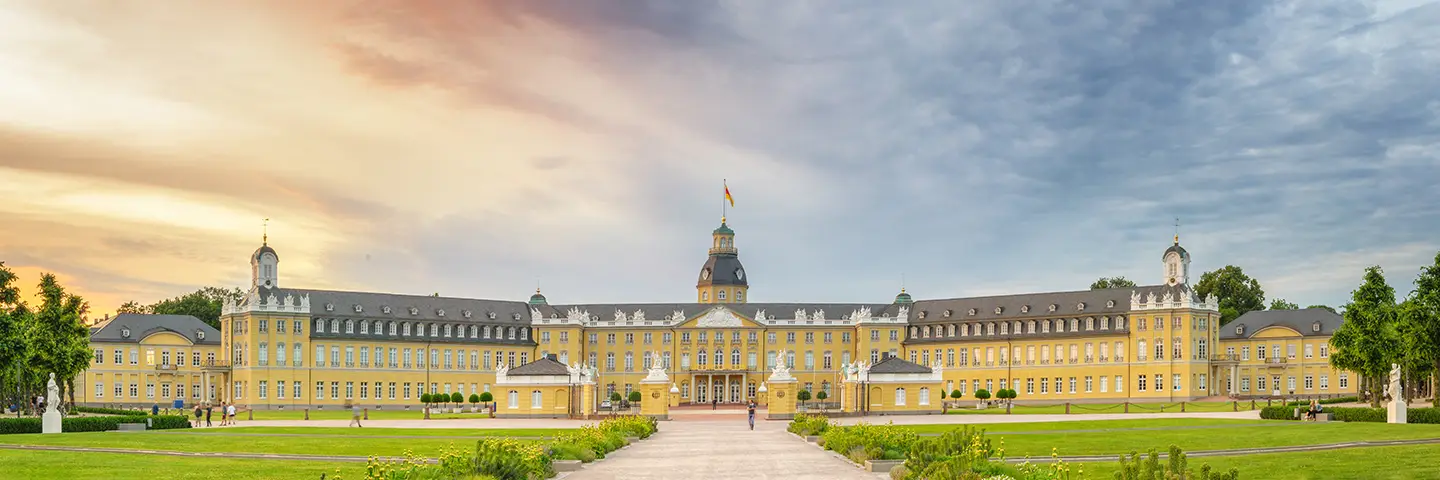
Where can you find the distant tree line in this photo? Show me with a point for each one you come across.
(203, 304)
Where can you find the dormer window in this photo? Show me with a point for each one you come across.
(515, 316)
(1315, 327)
(1109, 304)
(359, 308)
(1239, 329)
(125, 333)
(1080, 306)
(1054, 307)
(1024, 309)
(465, 313)
(440, 312)
(414, 311)
(199, 334)
(922, 315)
(329, 307)
(947, 313)
(999, 309)
(385, 309)
(972, 312)
(490, 315)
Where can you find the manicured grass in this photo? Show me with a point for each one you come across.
(1089, 424)
(1405, 462)
(344, 414)
(361, 432)
(1124, 441)
(347, 446)
(122, 466)
(1077, 408)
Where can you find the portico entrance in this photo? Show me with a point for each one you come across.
(723, 387)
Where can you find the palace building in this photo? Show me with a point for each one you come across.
(286, 347)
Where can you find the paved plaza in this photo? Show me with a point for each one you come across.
(719, 450)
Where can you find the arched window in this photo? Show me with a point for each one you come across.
(364, 327)
(486, 331)
(899, 397)
(924, 395)
(447, 331)
(700, 357)
(514, 399)
(406, 329)
(319, 326)
(434, 330)
(524, 333)
(735, 357)
(719, 358)
(537, 399)
(264, 356)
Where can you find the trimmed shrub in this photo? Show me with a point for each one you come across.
(457, 398)
(1149, 468)
(475, 398)
(93, 424)
(1422, 415)
(864, 441)
(109, 411)
(1278, 412)
(486, 397)
(634, 397)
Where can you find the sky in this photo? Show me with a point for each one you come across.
(479, 149)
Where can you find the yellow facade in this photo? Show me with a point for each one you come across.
(138, 362)
(534, 401)
(294, 348)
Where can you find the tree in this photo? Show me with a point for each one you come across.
(1237, 293)
(955, 394)
(457, 398)
(132, 307)
(1420, 325)
(1112, 282)
(425, 399)
(982, 394)
(1327, 307)
(15, 345)
(821, 396)
(634, 397)
(486, 397)
(615, 396)
(1281, 304)
(204, 304)
(802, 396)
(59, 335)
(1364, 342)
(474, 399)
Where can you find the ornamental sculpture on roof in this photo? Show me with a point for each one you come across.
(781, 371)
(800, 314)
(639, 316)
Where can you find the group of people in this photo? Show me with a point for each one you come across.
(227, 414)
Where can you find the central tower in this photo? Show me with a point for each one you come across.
(722, 279)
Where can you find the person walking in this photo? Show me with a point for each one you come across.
(230, 412)
(714, 403)
(355, 416)
(751, 407)
(155, 409)
(208, 407)
(197, 415)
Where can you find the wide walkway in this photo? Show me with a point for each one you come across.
(702, 450)
(1003, 418)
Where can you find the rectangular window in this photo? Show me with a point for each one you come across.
(1119, 384)
(1072, 384)
(1089, 384)
(1159, 382)
(297, 385)
(279, 384)
(349, 390)
(1175, 382)
(335, 390)
(1344, 381)
(319, 390)
(263, 388)
(1309, 382)
(1324, 382)
(1309, 351)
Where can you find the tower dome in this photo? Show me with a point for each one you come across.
(537, 298)
(903, 298)
(722, 277)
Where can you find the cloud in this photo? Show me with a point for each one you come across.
(474, 147)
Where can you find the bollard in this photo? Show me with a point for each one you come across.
(1127, 406)
(250, 414)
(1236, 406)
(1252, 404)
(307, 414)
(367, 414)
(1182, 407)
(1067, 408)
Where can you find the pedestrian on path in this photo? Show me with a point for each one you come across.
(230, 412)
(751, 406)
(714, 403)
(355, 416)
(208, 407)
(197, 415)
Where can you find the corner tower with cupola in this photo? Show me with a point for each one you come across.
(1177, 264)
(722, 278)
(264, 266)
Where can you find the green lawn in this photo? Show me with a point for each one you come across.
(1076, 408)
(158, 440)
(18, 464)
(344, 414)
(361, 432)
(1405, 462)
(1125, 441)
(1089, 424)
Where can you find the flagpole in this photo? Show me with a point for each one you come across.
(724, 200)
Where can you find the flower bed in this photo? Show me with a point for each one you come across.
(806, 425)
(864, 441)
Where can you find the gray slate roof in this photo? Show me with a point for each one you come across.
(1303, 321)
(1111, 301)
(898, 365)
(372, 305)
(658, 311)
(723, 268)
(543, 366)
(141, 325)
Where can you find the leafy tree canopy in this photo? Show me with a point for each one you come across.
(1281, 304)
(1327, 307)
(1237, 292)
(1365, 342)
(204, 304)
(1420, 324)
(1112, 282)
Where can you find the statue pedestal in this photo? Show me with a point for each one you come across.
(655, 399)
(782, 399)
(1395, 411)
(50, 421)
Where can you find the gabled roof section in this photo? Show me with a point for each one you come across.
(140, 325)
(543, 366)
(898, 365)
(1304, 321)
(1110, 301)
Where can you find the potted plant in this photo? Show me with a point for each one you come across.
(486, 397)
(982, 395)
(474, 399)
(635, 400)
(802, 396)
(955, 394)
(821, 396)
(458, 399)
(425, 400)
(614, 400)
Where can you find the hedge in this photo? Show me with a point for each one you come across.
(93, 424)
(110, 411)
(1354, 414)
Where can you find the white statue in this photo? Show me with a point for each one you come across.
(619, 315)
(500, 371)
(760, 314)
(639, 316)
(52, 394)
(819, 315)
(677, 316)
(657, 370)
(800, 314)
(1394, 389)
(781, 371)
